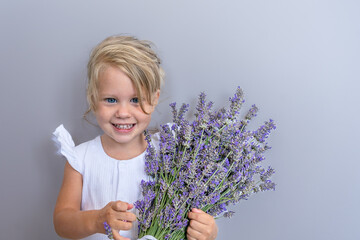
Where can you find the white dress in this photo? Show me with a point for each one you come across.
(105, 179)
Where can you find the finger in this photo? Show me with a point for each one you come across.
(196, 210)
(122, 225)
(192, 233)
(125, 216)
(200, 216)
(189, 237)
(120, 206)
(130, 206)
(198, 227)
(202, 231)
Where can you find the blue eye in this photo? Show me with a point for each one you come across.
(110, 100)
(134, 100)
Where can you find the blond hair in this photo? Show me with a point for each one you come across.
(135, 58)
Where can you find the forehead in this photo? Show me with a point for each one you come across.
(114, 80)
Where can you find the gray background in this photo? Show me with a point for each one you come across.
(297, 60)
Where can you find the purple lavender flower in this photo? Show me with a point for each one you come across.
(266, 175)
(236, 103)
(151, 164)
(208, 163)
(251, 113)
(267, 185)
(228, 214)
(263, 132)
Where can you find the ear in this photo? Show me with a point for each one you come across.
(156, 97)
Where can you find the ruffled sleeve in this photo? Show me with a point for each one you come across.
(66, 146)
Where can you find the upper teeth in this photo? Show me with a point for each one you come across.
(123, 126)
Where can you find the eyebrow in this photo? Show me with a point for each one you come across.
(109, 94)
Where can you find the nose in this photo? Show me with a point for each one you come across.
(122, 111)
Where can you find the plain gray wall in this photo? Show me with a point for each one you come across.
(299, 61)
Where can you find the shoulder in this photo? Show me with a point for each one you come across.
(84, 147)
(88, 152)
(75, 155)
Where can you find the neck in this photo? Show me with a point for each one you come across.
(123, 151)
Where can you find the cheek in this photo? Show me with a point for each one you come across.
(149, 108)
(98, 117)
(145, 118)
(100, 114)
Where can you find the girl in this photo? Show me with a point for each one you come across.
(102, 176)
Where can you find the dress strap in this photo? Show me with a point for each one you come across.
(65, 145)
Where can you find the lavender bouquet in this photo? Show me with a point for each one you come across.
(207, 163)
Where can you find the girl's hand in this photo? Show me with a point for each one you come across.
(117, 216)
(202, 226)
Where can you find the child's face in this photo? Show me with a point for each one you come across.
(118, 111)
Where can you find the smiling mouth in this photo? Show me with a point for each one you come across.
(124, 126)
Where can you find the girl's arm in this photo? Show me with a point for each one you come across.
(71, 222)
